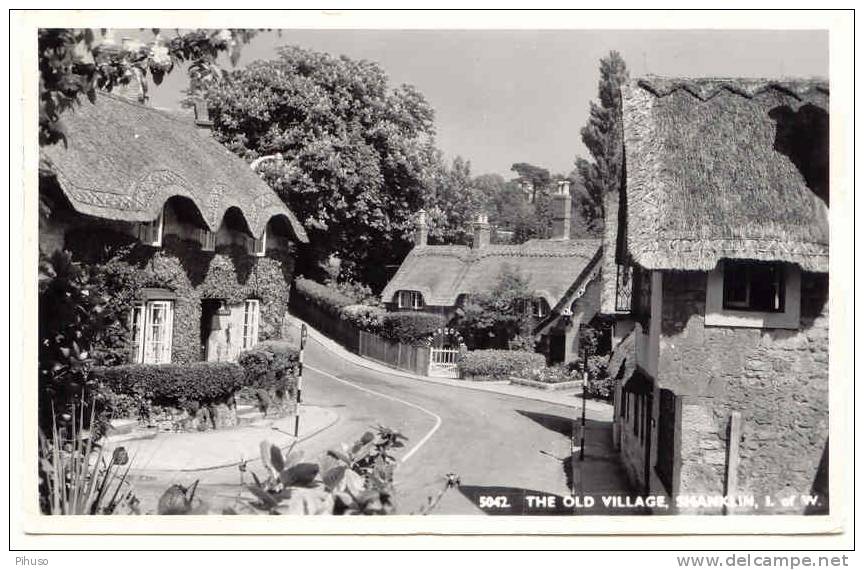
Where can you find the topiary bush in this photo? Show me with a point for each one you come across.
(270, 370)
(187, 387)
(410, 327)
(500, 364)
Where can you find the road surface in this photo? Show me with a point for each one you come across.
(498, 445)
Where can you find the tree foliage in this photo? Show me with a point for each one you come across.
(603, 136)
(352, 154)
(500, 317)
(79, 62)
(452, 202)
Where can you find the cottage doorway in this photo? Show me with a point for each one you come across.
(212, 335)
(648, 418)
(557, 348)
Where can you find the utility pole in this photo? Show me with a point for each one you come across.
(303, 333)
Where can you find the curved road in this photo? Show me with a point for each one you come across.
(497, 444)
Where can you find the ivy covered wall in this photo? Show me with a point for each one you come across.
(192, 275)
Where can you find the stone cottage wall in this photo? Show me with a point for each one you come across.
(777, 380)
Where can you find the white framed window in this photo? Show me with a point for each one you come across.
(258, 247)
(409, 300)
(150, 233)
(753, 294)
(251, 317)
(207, 239)
(152, 331)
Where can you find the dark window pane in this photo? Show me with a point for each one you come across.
(752, 286)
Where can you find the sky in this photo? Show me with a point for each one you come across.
(508, 96)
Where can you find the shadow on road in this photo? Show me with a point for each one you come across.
(600, 474)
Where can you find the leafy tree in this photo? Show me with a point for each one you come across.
(352, 156)
(603, 136)
(500, 317)
(452, 202)
(75, 63)
(537, 176)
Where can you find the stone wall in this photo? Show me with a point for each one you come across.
(777, 379)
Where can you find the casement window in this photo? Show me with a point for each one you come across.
(749, 286)
(539, 307)
(207, 239)
(150, 233)
(251, 317)
(623, 288)
(409, 300)
(258, 247)
(152, 327)
(753, 294)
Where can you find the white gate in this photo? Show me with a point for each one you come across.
(444, 362)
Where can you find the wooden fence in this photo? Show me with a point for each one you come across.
(402, 356)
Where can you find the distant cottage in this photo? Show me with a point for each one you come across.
(716, 266)
(562, 271)
(208, 245)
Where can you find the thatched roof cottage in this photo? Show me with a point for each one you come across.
(210, 244)
(563, 273)
(717, 266)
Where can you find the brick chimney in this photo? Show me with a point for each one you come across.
(482, 231)
(561, 203)
(421, 233)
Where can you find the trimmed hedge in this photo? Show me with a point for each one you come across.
(364, 317)
(410, 327)
(184, 386)
(500, 364)
(322, 296)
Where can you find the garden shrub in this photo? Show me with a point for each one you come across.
(268, 363)
(600, 384)
(500, 364)
(325, 298)
(360, 293)
(554, 375)
(270, 370)
(364, 317)
(184, 386)
(410, 327)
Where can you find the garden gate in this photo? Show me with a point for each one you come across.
(444, 362)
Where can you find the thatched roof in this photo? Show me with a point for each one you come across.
(726, 168)
(443, 272)
(123, 161)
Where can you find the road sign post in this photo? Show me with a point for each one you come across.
(303, 333)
